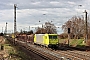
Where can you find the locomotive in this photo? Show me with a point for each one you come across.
(48, 40)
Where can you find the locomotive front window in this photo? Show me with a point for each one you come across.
(52, 37)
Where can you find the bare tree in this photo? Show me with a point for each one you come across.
(50, 28)
(76, 25)
(47, 28)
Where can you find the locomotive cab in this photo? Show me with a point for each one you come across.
(53, 40)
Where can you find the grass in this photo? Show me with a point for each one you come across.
(15, 53)
(62, 40)
(73, 42)
(76, 41)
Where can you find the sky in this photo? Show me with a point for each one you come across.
(30, 12)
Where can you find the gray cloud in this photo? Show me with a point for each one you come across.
(40, 4)
(32, 4)
(29, 12)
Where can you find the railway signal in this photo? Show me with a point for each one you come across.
(68, 30)
(68, 36)
(86, 30)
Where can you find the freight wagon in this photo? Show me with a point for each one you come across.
(30, 38)
(48, 40)
(25, 38)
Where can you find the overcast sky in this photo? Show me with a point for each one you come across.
(30, 12)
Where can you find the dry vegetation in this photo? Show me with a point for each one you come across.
(88, 42)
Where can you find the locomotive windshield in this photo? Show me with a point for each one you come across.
(52, 37)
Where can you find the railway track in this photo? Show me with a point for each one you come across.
(81, 54)
(73, 55)
(41, 52)
(49, 54)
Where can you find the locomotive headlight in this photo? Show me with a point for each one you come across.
(56, 43)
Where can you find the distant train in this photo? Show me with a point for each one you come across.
(48, 40)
